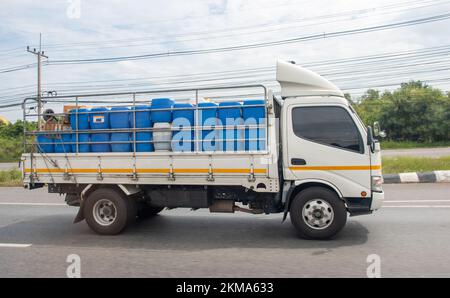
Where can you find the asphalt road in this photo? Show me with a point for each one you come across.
(4, 166)
(410, 234)
(418, 152)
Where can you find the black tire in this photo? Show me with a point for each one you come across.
(124, 210)
(148, 211)
(318, 195)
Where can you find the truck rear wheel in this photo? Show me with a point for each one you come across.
(107, 211)
(318, 213)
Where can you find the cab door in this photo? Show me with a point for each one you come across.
(327, 143)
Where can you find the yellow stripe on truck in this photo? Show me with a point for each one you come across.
(161, 170)
(335, 168)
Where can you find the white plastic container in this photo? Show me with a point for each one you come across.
(162, 139)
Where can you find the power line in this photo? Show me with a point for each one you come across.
(358, 69)
(233, 48)
(258, 45)
(409, 56)
(336, 67)
(19, 67)
(346, 88)
(262, 28)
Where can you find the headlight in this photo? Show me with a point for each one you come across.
(377, 183)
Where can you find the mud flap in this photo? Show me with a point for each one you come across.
(288, 202)
(80, 215)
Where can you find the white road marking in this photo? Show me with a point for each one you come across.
(14, 245)
(417, 201)
(418, 206)
(32, 204)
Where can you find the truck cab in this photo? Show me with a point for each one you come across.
(327, 153)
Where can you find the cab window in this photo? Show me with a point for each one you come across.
(331, 126)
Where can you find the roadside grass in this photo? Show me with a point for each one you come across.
(411, 145)
(404, 164)
(11, 177)
(10, 149)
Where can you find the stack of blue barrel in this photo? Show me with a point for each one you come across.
(82, 116)
(162, 119)
(143, 120)
(63, 142)
(119, 119)
(232, 137)
(46, 144)
(254, 114)
(183, 122)
(208, 118)
(173, 128)
(99, 120)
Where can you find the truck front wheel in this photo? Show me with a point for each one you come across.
(317, 213)
(108, 212)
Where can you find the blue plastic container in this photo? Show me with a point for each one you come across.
(162, 116)
(117, 142)
(63, 143)
(99, 119)
(183, 117)
(143, 116)
(208, 117)
(83, 124)
(230, 115)
(143, 120)
(82, 138)
(83, 118)
(45, 144)
(255, 115)
(119, 118)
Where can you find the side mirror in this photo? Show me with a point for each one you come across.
(377, 132)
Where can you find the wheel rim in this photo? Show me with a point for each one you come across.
(318, 214)
(105, 212)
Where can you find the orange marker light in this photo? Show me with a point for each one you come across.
(363, 194)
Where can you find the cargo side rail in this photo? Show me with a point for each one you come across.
(33, 147)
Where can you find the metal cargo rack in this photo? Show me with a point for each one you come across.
(256, 170)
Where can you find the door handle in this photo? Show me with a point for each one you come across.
(298, 162)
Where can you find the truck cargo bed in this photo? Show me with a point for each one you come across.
(254, 171)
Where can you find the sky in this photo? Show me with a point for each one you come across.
(82, 29)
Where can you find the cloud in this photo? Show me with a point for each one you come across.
(123, 28)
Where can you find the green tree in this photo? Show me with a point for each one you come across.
(15, 130)
(371, 94)
(414, 112)
(11, 139)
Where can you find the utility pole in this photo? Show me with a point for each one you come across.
(39, 55)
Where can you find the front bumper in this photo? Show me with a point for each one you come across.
(361, 206)
(377, 200)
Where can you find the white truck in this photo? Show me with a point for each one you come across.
(319, 162)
